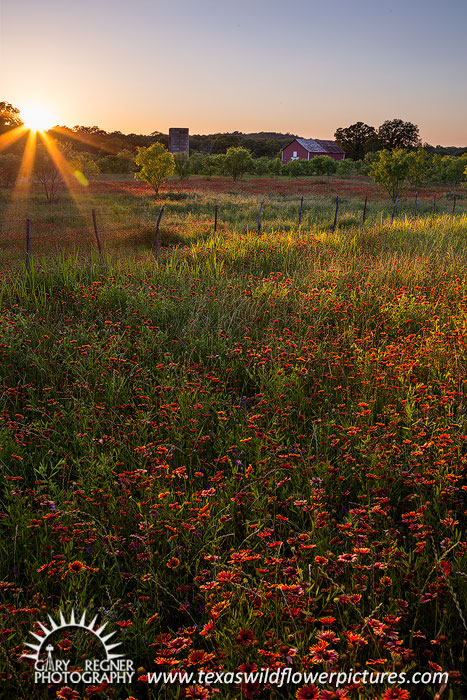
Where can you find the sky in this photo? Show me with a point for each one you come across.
(304, 67)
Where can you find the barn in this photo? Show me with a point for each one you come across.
(306, 149)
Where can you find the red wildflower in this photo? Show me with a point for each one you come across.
(67, 693)
(395, 694)
(307, 692)
(75, 567)
(197, 692)
(245, 637)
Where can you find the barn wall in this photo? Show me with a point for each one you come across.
(303, 153)
(287, 153)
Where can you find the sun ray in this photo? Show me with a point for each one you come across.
(74, 184)
(11, 136)
(79, 136)
(19, 196)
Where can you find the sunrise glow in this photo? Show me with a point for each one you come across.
(36, 118)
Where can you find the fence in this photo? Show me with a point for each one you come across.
(156, 244)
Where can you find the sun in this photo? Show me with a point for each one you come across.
(36, 118)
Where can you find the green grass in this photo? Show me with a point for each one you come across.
(126, 217)
(228, 425)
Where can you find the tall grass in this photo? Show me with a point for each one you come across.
(262, 432)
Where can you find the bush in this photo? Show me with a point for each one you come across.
(84, 164)
(123, 162)
(420, 165)
(262, 166)
(323, 165)
(182, 165)
(345, 167)
(449, 168)
(276, 167)
(297, 168)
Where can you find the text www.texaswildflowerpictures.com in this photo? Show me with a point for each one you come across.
(286, 676)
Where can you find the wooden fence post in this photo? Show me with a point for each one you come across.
(364, 210)
(416, 203)
(394, 210)
(96, 231)
(259, 217)
(434, 204)
(335, 215)
(28, 245)
(156, 237)
(300, 212)
(454, 205)
(215, 218)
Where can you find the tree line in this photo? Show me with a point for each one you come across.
(392, 155)
(356, 140)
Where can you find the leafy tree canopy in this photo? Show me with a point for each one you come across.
(356, 140)
(390, 170)
(237, 161)
(395, 133)
(9, 117)
(156, 164)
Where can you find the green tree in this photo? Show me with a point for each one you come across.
(390, 170)
(9, 117)
(298, 167)
(420, 164)
(395, 133)
(276, 167)
(123, 162)
(262, 166)
(223, 142)
(323, 165)
(345, 167)
(238, 161)
(449, 168)
(356, 140)
(84, 164)
(182, 165)
(156, 165)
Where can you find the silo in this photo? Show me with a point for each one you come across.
(179, 140)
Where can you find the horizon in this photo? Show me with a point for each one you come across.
(248, 68)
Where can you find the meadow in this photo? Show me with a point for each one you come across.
(249, 452)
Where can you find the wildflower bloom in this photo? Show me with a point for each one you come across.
(395, 694)
(245, 637)
(197, 692)
(75, 567)
(67, 693)
(308, 692)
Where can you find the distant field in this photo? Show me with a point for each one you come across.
(127, 210)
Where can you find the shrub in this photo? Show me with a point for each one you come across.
(182, 165)
(420, 165)
(323, 165)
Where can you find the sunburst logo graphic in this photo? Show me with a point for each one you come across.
(113, 669)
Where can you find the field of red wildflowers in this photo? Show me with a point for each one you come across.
(248, 454)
